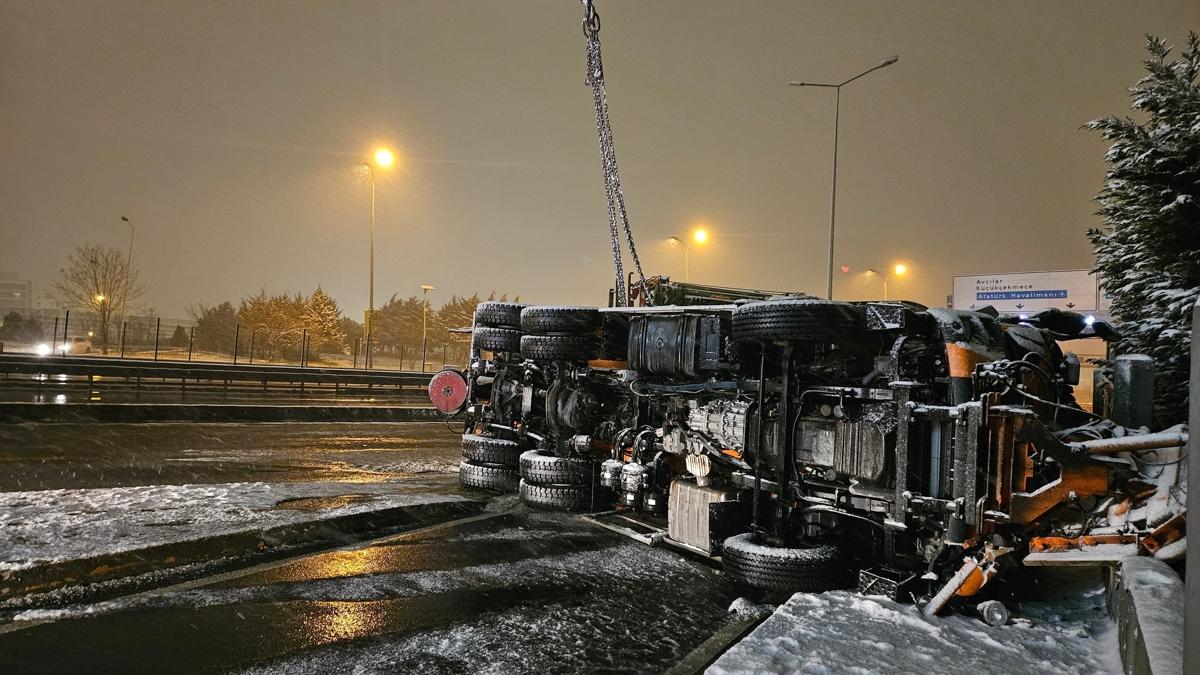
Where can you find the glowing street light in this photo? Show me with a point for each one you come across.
(384, 159)
(899, 269)
(699, 236)
(100, 298)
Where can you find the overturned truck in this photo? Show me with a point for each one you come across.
(810, 444)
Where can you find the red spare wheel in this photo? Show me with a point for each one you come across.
(448, 391)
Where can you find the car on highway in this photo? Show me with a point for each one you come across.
(75, 345)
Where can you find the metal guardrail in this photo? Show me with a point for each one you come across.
(82, 366)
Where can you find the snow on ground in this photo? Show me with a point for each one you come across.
(429, 465)
(843, 632)
(610, 563)
(612, 617)
(45, 526)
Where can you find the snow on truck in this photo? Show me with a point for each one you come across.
(810, 444)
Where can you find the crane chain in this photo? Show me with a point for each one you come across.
(614, 195)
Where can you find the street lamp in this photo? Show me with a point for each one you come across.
(686, 273)
(899, 269)
(836, 117)
(425, 288)
(384, 159)
(881, 275)
(699, 236)
(129, 282)
(128, 273)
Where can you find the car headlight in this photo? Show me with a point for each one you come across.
(43, 349)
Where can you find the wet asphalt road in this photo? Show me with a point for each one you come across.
(55, 456)
(513, 593)
(516, 591)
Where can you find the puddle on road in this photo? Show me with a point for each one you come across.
(323, 503)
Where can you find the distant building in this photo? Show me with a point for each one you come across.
(45, 300)
(15, 296)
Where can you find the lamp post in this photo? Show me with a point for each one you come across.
(899, 269)
(699, 235)
(686, 273)
(384, 160)
(881, 275)
(836, 118)
(128, 272)
(425, 288)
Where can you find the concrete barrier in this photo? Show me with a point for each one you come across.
(1145, 597)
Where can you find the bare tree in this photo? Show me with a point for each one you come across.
(99, 278)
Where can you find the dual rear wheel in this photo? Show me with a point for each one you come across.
(489, 463)
(557, 483)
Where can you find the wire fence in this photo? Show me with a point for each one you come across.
(166, 339)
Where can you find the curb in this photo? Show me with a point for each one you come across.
(1146, 598)
(256, 543)
(703, 656)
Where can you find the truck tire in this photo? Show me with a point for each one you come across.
(497, 339)
(498, 314)
(556, 497)
(558, 347)
(807, 319)
(539, 467)
(496, 478)
(768, 568)
(562, 319)
(488, 450)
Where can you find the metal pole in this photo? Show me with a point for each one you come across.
(157, 326)
(303, 346)
(424, 335)
(237, 331)
(124, 327)
(837, 109)
(253, 333)
(66, 320)
(128, 272)
(191, 341)
(836, 119)
(54, 335)
(371, 291)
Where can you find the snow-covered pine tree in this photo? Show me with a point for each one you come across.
(322, 318)
(1148, 255)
